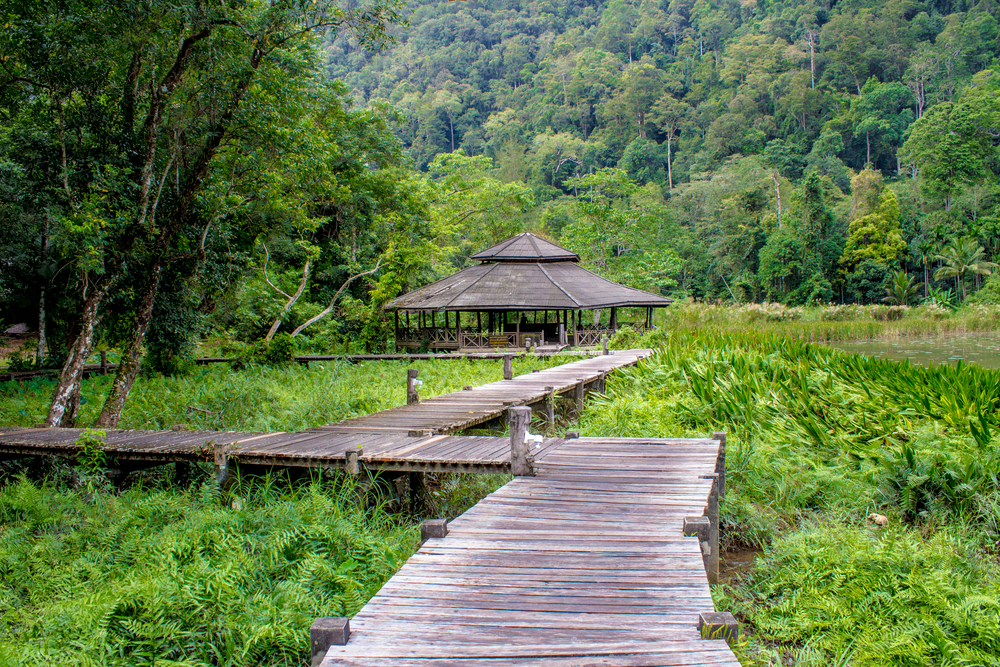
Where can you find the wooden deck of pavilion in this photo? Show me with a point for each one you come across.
(526, 292)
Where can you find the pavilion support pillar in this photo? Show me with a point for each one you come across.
(613, 325)
(576, 329)
(479, 321)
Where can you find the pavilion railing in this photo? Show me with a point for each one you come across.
(489, 340)
(432, 335)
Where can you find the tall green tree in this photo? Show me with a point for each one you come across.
(138, 100)
(963, 257)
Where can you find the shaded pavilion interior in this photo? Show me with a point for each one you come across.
(525, 292)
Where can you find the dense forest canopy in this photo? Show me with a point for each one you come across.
(283, 169)
(742, 122)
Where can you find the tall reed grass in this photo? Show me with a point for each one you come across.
(263, 398)
(830, 323)
(819, 440)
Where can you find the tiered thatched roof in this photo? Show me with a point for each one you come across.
(525, 273)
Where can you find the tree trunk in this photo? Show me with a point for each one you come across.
(777, 194)
(128, 365)
(670, 170)
(66, 396)
(41, 349)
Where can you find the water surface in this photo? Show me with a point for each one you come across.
(971, 348)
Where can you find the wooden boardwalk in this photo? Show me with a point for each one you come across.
(383, 440)
(582, 564)
(460, 410)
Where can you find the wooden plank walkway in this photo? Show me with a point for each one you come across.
(95, 369)
(582, 564)
(461, 410)
(382, 438)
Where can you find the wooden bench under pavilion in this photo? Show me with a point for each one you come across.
(526, 292)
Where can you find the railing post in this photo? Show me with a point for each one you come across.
(508, 367)
(720, 463)
(327, 632)
(412, 395)
(520, 460)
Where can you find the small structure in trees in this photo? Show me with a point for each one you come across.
(526, 292)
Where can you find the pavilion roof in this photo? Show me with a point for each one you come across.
(526, 247)
(521, 285)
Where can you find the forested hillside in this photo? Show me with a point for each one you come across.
(259, 170)
(742, 122)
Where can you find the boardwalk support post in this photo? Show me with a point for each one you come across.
(550, 406)
(326, 632)
(720, 463)
(700, 527)
(580, 394)
(718, 625)
(520, 462)
(508, 367)
(353, 457)
(412, 396)
(712, 512)
(221, 456)
(433, 528)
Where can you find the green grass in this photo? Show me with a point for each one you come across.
(820, 439)
(263, 398)
(830, 323)
(172, 577)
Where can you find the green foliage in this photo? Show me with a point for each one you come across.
(962, 257)
(942, 298)
(818, 440)
(902, 290)
(989, 294)
(91, 456)
(875, 237)
(280, 350)
(150, 577)
(264, 398)
(888, 597)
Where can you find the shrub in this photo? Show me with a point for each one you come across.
(280, 351)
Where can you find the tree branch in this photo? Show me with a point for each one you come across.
(329, 309)
(291, 302)
(267, 259)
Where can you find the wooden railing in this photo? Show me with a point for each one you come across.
(489, 340)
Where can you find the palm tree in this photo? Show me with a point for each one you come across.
(901, 291)
(927, 251)
(963, 256)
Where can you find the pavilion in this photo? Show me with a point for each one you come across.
(526, 292)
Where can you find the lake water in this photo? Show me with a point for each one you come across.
(972, 348)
